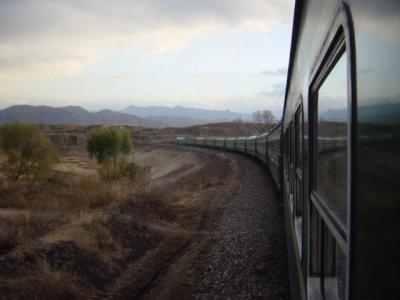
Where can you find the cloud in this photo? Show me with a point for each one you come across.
(199, 76)
(120, 77)
(277, 90)
(277, 72)
(63, 36)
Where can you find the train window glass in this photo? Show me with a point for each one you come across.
(286, 151)
(315, 251)
(341, 273)
(291, 156)
(298, 160)
(299, 137)
(334, 268)
(331, 173)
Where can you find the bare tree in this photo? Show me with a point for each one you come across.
(263, 118)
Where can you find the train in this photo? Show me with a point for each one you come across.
(335, 153)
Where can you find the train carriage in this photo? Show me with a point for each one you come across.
(199, 141)
(261, 149)
(344, 69)
(251, 145)
(188, 141)
(209, 142)
(181, 140)
(274, 158)
(241, 144)
(230, 143)
(219, 143)
(335, 154)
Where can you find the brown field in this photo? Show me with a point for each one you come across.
(75, 236)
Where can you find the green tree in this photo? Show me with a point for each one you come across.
(30, 153)
(110, 146)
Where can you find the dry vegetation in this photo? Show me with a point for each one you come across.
(74, 236)
(60, 234)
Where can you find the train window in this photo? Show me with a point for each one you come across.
(333, 268)
(299, 137)
(315, 246)
(331, 143)
(298, 160)
(291, 157)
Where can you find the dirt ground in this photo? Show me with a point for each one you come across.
(91, 241)
(203, 181)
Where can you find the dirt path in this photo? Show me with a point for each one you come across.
(238, 248)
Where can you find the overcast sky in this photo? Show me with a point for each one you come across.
(218, 54)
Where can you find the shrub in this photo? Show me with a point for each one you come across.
(110, 146)
(30, 154)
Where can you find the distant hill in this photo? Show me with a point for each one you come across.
(71, 115)
(178, 121)
(172, 114)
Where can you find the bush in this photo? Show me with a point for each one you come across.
(30, 154)
(110, 146)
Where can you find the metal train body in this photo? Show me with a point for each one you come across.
(266, 148)
(335, 155)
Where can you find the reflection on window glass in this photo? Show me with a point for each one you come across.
(315, 245)
(334, 268)
(341, 272)
(332, 139)
(299, 138)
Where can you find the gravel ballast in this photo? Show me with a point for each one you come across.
(247, 258)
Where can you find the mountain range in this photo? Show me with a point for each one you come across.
(151, 116)
(199, 114)
(71, 115)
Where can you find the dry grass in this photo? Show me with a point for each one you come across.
(87, 213)
(21, 228)
(45, 282)
(67, 193)
(73, 235)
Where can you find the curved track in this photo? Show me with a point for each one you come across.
(237, 253)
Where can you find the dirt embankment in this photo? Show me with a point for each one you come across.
(203, 182)
(74, 236)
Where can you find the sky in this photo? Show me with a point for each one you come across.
(215, 54)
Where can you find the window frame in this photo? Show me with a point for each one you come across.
(333, 54)
(299, 153)
(342, 25)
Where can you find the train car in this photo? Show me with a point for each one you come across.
(261, 149)
(340, 177)
(230, 143)
(209, 142)
(241, 144)
(251, 145)
(199, 141)
(220, 143)
(181, 140)
(274, 158)
(189, 141)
